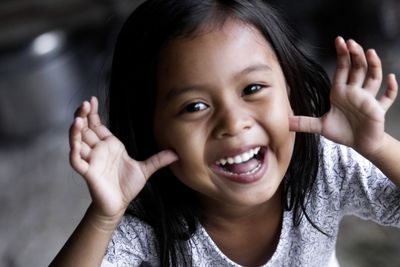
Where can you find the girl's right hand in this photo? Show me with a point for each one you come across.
(113, 178)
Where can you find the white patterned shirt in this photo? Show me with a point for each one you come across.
(346, 184)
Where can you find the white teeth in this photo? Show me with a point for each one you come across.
(239, 158)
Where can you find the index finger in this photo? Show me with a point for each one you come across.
(305, 124)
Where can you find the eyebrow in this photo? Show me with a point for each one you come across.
(183, 90)
(252, 68)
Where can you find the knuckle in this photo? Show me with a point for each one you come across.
(156, 161)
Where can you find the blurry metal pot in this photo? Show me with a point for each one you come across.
(37, 86)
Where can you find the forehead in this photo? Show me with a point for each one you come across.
(232, 33)
(214, 52)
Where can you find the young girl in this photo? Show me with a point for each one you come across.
(252, 133)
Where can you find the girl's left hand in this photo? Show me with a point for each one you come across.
(356, 117)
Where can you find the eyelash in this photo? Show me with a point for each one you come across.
(199, 106)
(251, 86)
(194, 107)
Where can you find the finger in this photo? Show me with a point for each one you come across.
(95, 105)
(81, 114)
(83, 110)
(390, 94)
(359, 65)
(101, 131)
(374, 78)
(79, 132)
(94, 118)
(305, 124)
(157, 162)
(76, 137)
(75, 131)
(95, 122)
(85, 151)
(342, 62)
(80, 165)
(90, 137)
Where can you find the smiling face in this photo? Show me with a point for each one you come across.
(222, 105)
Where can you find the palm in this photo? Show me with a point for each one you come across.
(355, 119)
(110, 175)
(113, 178)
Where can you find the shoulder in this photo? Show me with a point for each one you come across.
(336, 155)
(353, 185)
(340, 165)
(132, 243)
(132, 225)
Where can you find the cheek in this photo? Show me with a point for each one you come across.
(277, 113)
(185, 139)
(277, 125)
(189, 144)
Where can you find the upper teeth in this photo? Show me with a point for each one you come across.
(239, 158)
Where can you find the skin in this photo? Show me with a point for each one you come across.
(357, 117)
(230, 120)
(229, 117)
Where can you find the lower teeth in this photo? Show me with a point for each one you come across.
(244, 173)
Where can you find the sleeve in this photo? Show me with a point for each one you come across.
(132, 244)
(106, 263)
(363, 190)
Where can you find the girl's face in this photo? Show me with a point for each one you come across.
(222, 105)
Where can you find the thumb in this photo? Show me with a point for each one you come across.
(157, 161)
(305, 124)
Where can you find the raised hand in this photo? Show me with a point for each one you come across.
(113, 178)
(356, 117)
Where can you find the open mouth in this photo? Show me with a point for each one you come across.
(244, 167)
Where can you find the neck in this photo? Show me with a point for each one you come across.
(247, 235)
(220, 214)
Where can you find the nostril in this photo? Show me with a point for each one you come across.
(233, 127)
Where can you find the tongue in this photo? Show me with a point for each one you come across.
(242, 167)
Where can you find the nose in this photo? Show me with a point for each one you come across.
(232, 122)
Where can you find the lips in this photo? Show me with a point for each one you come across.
(245, 167)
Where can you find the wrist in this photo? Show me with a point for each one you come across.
(100, 221)
(376, 155)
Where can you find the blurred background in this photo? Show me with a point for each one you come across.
(56, 53)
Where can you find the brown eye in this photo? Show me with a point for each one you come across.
(251, 89)
(195, 107)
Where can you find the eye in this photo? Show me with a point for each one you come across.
(252, 89)
(195, 107)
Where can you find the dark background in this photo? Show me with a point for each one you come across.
(55, 53)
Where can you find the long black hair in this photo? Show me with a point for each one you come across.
(165, 203)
